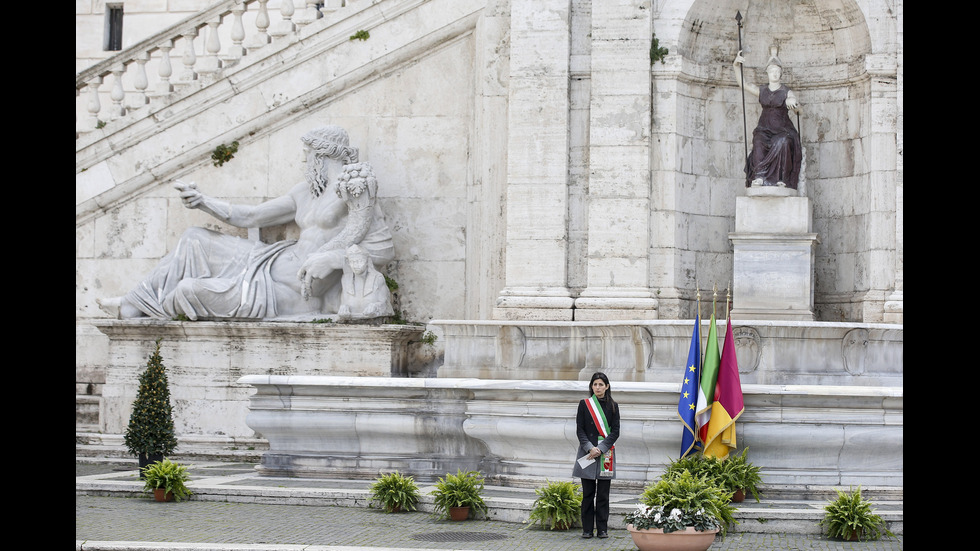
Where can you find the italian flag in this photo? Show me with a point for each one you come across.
(709, 375)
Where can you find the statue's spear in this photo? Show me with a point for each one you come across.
(741, 72)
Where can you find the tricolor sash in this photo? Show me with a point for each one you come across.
(606, 466)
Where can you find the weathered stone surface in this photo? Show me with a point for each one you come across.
(204, 361)
(523, 432)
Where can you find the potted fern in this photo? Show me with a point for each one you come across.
(558, 504)
(396, 492)
(734, 474)
(150, 433)
(680, 510)
(166, 480)
(740, 477)
(457, 495)
(850, 517)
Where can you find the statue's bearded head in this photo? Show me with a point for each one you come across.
(321, 144)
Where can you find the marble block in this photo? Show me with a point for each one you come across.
(774, 252)
(204, 361)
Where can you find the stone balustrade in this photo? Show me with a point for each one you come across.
(152, 72)
(522, 432)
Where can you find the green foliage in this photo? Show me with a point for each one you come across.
(322, 320)
(224, 153)
(696, 464)
(398, 318)
(100, 124)
(360, 35)
(691, 494)
(395, 490)
(391, 283)
(850, 515)
(168, 475)
(460, 490)
(558, 503)
(151, 425)
(646, 517)
(656, 52)
(429, 338)
(737, 473)
(732, 474)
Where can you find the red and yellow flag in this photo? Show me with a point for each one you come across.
(728, 404)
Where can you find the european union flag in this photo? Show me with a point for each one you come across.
(687, 406)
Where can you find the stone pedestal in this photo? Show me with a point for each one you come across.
(774, 256)
(204, 361)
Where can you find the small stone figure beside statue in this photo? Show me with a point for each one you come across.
(331, 268)
(776, 156)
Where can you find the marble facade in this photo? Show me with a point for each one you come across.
(538, 168)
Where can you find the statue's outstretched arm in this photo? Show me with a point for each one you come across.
(737, 64)
(275, 211)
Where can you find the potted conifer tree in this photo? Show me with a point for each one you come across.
(150, 434)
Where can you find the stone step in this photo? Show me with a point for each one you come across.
(238, 482)
(86, 410)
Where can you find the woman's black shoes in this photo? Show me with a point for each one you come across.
(603, 535)
(586, 535)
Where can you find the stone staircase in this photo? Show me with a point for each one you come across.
(160, 132)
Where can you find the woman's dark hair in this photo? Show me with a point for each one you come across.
(608, 395)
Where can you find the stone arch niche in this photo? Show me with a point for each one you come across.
(826, 49)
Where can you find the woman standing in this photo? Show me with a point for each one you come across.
(597, 427)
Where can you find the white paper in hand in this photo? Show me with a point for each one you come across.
(584, 461)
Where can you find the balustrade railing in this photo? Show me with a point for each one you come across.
(224, 32)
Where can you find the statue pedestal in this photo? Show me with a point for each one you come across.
(774, 256)
(204, 361)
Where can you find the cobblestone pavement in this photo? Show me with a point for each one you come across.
(141, 519)
(134, 523)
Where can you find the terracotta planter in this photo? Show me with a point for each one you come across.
(738, 496)
(459, 513)
(655, 539)
(161, 494)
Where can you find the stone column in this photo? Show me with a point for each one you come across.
(884, 263)
(619, 158)
(774, 256)
(536, 286)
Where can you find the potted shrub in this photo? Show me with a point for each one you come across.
(395, 492)
(558, 504)
(150, 434)
(740, 477)
(457, 495)
(696, 464)
(734, 474)
(850, 517)
(166, 480)
(680, 511)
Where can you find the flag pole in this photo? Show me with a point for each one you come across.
(714, 300)
(698, 318)
(728, 304)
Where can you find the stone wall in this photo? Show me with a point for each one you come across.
(523, 432)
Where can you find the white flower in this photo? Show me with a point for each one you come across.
(675, 514)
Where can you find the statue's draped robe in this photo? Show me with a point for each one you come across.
(211, 275)
(777, 152)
